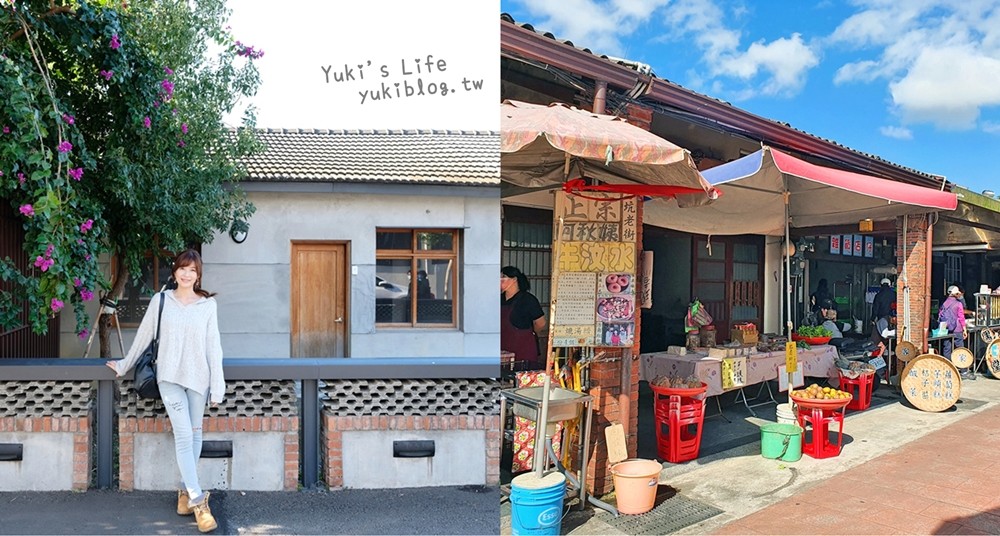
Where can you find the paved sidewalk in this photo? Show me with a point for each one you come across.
(942, 483)
(901, 471)
(438, 510)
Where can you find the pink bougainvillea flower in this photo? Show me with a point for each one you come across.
(86, 295)
(83, 334)
(107, 74)
(146, 122)
(43, 263)
(168, 88)
(79, 241)
(6, 129)
(156, 104)
(65, 147)
(184, 128)
(115, 43)
(86, 226)
(76, 173)
(49, 250)
(77, 282)
(168, 70)
(180, 143)
(174, 111)
(87, 257)
(69, 119)
(27, 210)
(57, 304)
(21, 178)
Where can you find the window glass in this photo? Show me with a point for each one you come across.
(416, 274)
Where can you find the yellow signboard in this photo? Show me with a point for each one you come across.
(597, 257)
(791, 357)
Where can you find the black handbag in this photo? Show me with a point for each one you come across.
(145, 368)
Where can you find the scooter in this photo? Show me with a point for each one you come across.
(864, 351)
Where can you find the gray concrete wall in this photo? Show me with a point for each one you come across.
(46, 464)
(257, 463)
(458, 459)
(253, 278)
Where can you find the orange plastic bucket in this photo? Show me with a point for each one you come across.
(635, 485)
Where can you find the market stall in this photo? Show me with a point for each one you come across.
(759, 367)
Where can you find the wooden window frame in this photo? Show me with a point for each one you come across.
(412, 255)
(148, 258)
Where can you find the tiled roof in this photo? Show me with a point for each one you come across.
(506, 17)
(466, 158)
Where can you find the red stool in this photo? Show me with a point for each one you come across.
(679, 420)
(819, 445)
(860, 389)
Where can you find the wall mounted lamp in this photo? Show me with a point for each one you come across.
(238, 231)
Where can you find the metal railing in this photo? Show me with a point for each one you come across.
(310, 371)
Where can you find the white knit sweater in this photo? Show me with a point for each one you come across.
(190, 352)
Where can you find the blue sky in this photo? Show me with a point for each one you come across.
(916, 82)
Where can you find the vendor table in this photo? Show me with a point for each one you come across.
(817, 361)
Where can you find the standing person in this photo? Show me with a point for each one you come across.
(521, 318)
(882, 303)
(953, 314)
(188, 371)
(822, 294)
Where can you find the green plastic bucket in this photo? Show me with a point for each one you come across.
(781, 441)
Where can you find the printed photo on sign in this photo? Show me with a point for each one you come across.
(617, 334)
(615, 308)
(614, 284)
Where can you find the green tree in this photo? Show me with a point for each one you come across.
(112, 141)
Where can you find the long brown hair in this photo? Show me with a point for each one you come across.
(186, 258)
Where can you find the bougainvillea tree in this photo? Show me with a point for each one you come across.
(112, 142)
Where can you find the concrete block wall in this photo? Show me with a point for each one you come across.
(56, 454)
(255, 464)
(357, 450)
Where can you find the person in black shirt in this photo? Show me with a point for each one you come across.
(521, 319)
(882, 303)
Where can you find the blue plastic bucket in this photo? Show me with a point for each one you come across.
(537, 504)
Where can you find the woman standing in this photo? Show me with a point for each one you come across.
(521, 318)
(188, 371)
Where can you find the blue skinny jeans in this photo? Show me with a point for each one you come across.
(186, 409)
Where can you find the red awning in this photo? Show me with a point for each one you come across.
(755, 187)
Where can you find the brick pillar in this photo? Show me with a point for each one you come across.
(918, 270)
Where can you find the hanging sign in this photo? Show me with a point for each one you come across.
(577, 292)
(734, 372)
(791, 357)
(859, 245)
(847, 245)
(869, 246)
(597, 257)
(835, 244)
(646, 293)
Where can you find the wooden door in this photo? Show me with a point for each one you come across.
(319, 299)
(727, 278)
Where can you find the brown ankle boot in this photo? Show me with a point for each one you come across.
(183, 503)
(203, 515)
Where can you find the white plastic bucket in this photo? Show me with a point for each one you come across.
(785, 414)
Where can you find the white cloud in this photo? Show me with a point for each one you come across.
(991, 127)
(900, 133)
(947, 87)
(594, 24)
(940, 58)
(771, 68)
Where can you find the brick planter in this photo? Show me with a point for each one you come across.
(364, 421)
(51, 423)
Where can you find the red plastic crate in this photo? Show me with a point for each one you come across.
(678, 430)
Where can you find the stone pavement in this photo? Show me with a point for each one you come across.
(437, 510)
(901, 471)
